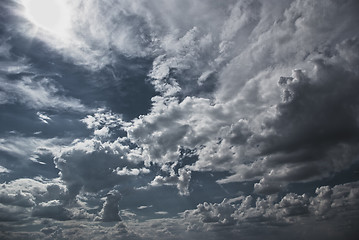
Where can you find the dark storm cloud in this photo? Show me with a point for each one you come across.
(314, 132)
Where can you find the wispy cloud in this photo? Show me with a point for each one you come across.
(44, 118)
(40, 94)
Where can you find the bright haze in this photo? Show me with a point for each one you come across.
(179, 119)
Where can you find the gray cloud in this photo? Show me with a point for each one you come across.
(19, 199)
(57, 212)
(337, 202)
(110, 210)
(215, 100)
(181, 180)
(39, 94)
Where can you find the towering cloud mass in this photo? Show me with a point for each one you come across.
(182, 119)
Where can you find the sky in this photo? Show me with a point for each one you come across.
(179, 119)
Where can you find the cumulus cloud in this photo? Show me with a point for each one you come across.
(283, 141)
(38, 198)
(244, 123)
(262, 95)
(19, 199)
(94, 163)
(133, 171)
(336, 202)
(181, 181)
(110, 210)
(101, 119)
(86, 230)
(100, 162)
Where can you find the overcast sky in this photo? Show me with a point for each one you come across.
(179, 119)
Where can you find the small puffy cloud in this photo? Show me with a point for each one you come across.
(102, 118)
(133, 171)
(181, 181)
(161, 213)
(103, 132)
(144, 207)
(215, 213)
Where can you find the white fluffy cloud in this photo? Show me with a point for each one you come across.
(246, 212)
(181, 180)
(260, 125)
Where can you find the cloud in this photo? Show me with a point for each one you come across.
(281, 137)
(4, 170)
(42, 198)
(171, 124)
(181, 180)
(42, 94)
(101, 119)
(22, 83)
(63, 230)
(100, 162)
(94, 163)
(44, 118)
(12, 214)
(143, 207)
(250, 95)
(57, 212)
(37, 198)
(110, 210)
(134, 171)
(336, 203)
(19, 199)
(251, 127)
(23, 148)
(274, 139)
(161, 213)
